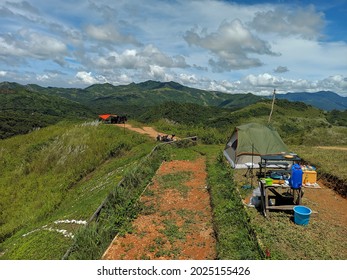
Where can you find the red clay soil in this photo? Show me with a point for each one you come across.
(176, 221)
(331, 206)
(150, 131)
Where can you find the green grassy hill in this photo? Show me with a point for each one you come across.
(25, 108)
(61, 172)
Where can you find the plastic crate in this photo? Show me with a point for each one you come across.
(309, 177)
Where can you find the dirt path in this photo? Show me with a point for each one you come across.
(331, 207)
(150, 131)
(176, 221)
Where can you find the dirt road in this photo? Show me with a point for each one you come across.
(150, 131)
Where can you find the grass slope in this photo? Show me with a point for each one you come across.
(57, 173)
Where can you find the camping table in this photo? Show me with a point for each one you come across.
(278, 163)
(267, 192)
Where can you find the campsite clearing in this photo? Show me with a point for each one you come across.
(323, 238)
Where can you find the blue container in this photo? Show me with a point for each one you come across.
(295, 180)
(302, 215)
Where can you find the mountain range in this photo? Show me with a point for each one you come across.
(325, 100)
(101, 97)
(27, 107)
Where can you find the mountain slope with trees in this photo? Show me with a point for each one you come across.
(25, 108)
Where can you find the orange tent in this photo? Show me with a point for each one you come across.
(106, 116)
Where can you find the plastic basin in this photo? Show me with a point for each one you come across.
(302, 215)
(268, 181)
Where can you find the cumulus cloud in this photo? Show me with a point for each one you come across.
(3, 73)
(139, 59)
(304, 22)
(231, 44)
(263, 83)
(158, 73)
(89, 79)
(335, 83)
(188, 79)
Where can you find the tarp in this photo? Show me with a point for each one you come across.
(249, 141)
(106, 116)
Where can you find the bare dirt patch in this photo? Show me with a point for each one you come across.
(176, 220)
(331, 207)
(150, 131)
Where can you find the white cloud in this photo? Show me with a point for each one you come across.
(46, 77)
(159, 73)
(265, 83)
(89, 79)
(334, 83)
(28, 44)
(188, 79)
(138, 59)
(232, 44)
(305, 22)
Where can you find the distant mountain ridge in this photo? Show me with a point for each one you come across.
(325, 100)
(27, 107)
(105, 97)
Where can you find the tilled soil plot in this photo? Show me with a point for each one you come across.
(176, 221)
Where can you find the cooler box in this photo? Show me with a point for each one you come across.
(309, 177)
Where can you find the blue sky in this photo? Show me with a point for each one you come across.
(232, 46)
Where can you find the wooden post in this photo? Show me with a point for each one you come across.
(272, 106)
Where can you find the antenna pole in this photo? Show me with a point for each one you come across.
(272, 106)
(252, 165)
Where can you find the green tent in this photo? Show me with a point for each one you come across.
(249, 141)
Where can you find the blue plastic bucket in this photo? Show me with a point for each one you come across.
(302, 215)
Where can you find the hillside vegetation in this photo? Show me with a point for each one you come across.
(134, 98)
(296, 122)
(45, 175)
(23, 109)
